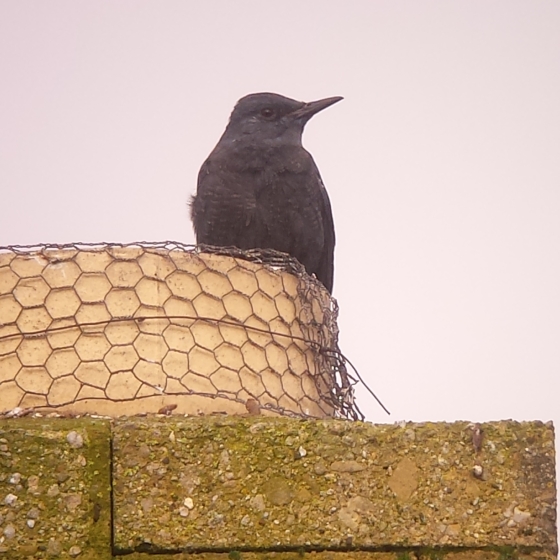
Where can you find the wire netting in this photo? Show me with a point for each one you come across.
(126, 322)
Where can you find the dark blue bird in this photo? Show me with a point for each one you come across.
(259, 188)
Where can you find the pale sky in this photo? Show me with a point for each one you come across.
(442, 164)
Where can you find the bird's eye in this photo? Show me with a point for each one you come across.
(267, 112)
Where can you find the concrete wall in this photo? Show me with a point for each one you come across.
(261, 487)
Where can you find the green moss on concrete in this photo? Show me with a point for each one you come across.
(55, 491)
(350, 555)
(229, 482)
(241, 487)
(354, 555)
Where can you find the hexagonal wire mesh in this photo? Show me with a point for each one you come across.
(80, 322)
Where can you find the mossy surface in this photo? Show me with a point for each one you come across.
(202, 484)
(55, 489)
(413, 554)
(252, 488)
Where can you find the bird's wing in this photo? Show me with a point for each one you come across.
(325, 270)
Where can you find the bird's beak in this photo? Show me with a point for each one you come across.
(313, 107)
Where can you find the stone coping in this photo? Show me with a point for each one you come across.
(275, 488)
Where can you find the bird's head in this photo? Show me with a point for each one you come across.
(272, 119)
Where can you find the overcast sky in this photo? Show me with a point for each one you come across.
(442, 164)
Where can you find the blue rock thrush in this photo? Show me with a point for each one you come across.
(260, 189)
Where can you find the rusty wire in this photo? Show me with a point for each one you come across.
(319, 331)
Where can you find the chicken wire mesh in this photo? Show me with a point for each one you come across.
(149, 326)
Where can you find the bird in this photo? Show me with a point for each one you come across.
(261, 189)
